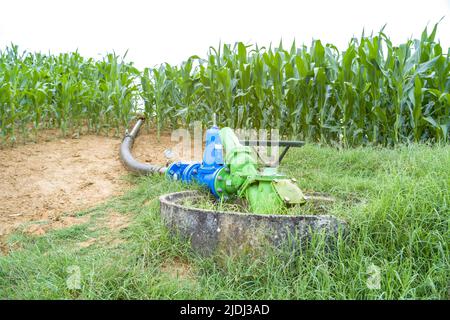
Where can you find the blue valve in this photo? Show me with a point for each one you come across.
(203, 173)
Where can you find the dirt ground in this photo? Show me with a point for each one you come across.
(47, 180)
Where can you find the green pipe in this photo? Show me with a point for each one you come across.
(266, 192)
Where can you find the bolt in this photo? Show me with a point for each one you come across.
(194, 171)
(293, 180)
(219, 190)
(227, 169)
(286, 199)
(219, 178)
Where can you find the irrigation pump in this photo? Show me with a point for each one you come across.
(230, 169)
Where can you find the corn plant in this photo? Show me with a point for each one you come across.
(373, 92)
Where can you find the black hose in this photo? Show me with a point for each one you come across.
(127, 158)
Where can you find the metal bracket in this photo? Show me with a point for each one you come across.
(269, 143)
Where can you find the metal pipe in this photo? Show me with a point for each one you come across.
(127, 158)
(285, 150)
(270, 143)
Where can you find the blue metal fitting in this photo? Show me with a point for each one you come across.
(203, 173)
(190, 172)
(175, 170)
(206, 176)
(213, 155)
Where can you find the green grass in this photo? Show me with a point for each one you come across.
(399, 219)
(209, 202)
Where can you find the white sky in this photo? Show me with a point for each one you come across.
(170, 30)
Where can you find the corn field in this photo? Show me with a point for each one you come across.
(65, 91)
(373, 92)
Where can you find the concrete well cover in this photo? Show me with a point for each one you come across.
(210, 231)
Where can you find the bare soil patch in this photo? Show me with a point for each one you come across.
(57, 223)
(115, 222)
(45, 180)
(178, 269)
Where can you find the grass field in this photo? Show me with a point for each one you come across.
(397, 205)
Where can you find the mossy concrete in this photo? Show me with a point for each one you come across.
(212, 231)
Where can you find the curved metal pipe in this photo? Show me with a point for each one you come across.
(127, 158)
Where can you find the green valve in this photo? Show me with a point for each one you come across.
(288, 191)
(266, 191)
(262, 197)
